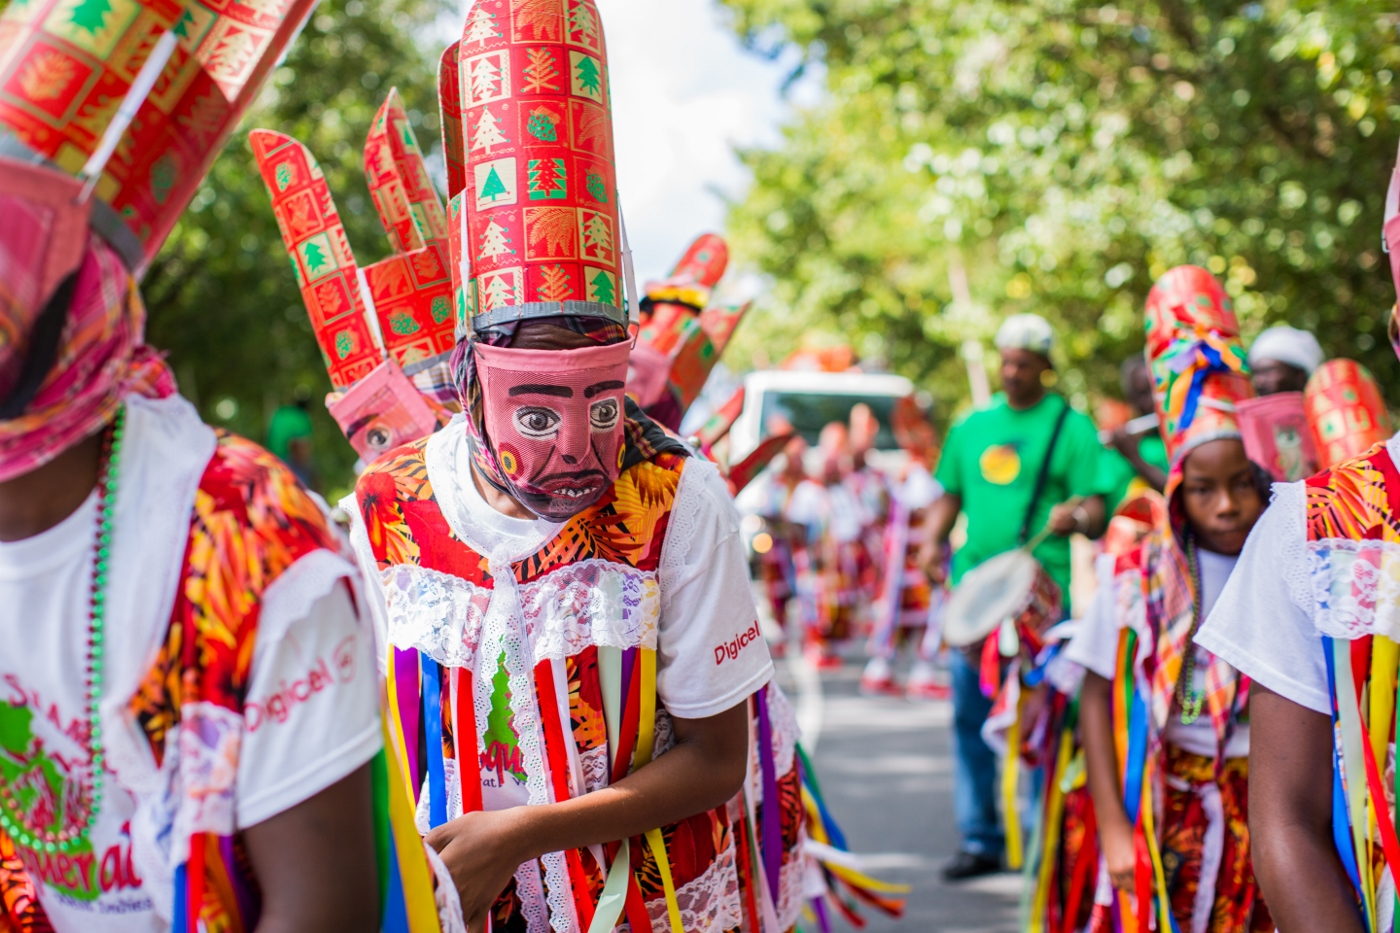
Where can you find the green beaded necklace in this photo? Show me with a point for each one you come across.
(68, 840)
(1188, 697)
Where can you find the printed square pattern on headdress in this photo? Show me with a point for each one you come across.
(542, 216)
(66, 66)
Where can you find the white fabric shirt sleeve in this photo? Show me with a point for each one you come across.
(312, 715)
(711, 653)
(1262, 625)
(1094, 646)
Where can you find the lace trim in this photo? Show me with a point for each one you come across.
(559, 892)
(530, 890)
(197, 795)
(594, 764)
(1355, 587)
(591, 602)
(1289, 532)
(786, 731)
(439, 614)
(449, 903)
(708, 904)
(792, 884)
(686, 511)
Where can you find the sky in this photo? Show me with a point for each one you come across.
(685, 93)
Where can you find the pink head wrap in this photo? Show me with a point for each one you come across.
(71, 323)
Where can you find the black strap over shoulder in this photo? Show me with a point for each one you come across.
(1044, 475)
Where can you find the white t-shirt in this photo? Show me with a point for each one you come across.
(710, 656)
(1263, 622)
(1095, 647)
(312, 715)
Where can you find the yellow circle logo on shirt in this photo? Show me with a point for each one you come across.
(1001, 465)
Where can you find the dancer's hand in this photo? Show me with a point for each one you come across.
(1119, 854)
(482, 851)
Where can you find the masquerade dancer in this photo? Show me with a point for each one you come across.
(1310, 616)
(189, 727)
(906, 608)
(580, 693)
(1162, 720)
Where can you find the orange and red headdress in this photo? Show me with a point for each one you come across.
(1198, 365)
(1346, 412)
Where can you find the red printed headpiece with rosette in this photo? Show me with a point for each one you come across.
(542, 224)
(1346, 412)
(1198, 365)
(111, 112)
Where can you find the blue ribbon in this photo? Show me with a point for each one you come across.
(432, 730)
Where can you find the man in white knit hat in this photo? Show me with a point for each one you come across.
(1282, 358)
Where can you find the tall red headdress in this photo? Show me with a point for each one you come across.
(538, 216)
(682, 336)
(1346, 411)
(136, 97)
(378, 323)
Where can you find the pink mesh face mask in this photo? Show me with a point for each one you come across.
(554, 422)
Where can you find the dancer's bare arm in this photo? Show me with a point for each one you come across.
(316, 863)
(1290, 817)
(1096, 729)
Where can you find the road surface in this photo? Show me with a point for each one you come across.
(885, 768)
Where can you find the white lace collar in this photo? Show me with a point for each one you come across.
(471, 518)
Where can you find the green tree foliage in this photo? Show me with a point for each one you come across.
(222, 296)
(1068, 153)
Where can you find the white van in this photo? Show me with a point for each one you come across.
(810, 401)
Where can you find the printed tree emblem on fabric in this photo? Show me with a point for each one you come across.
(488, 133)
(597, 187)
(583, 26)
(496, 183)
(501, 742)
(481, 27)
(47, 76)
(556, 286)
(587, 76)
(597, 236)
(602, 287)
(542, 73)
(162, 178)
(542, 126)
(548, 180)
(403, 324)
(494, 241)
(284, 176)
(91, 15)
(43, 790)
(441, 309)
(344, 343)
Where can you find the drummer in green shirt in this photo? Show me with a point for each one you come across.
(1135, 457)
(993, 462)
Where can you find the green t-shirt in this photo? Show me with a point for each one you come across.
(1118, 473)
(992, 459)
(288, 423)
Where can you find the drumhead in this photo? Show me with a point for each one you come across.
(987, 595)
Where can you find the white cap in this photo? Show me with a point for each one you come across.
(1297, 348)
(1026, 332)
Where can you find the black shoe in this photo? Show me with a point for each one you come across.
(966, 865)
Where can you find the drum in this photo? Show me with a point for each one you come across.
(1010, 592)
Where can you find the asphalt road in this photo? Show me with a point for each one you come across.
(886, 770)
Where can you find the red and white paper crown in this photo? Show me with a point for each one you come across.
(137, 97)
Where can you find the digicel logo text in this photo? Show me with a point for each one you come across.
(729, 651)
(277, 708)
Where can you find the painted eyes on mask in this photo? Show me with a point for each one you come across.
(605, 414)
(537, 423)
